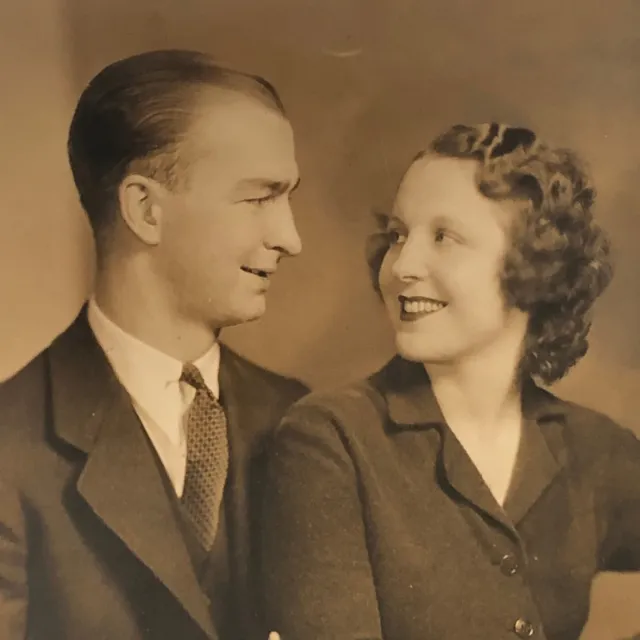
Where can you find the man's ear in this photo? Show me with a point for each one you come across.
(140, 207)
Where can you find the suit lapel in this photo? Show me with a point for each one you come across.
(121, 480)
(239, 423)
(252, 408)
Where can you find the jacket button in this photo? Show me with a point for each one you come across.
(509, 564)
(523, 628)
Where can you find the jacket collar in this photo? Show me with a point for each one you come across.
(84, 388)
(121, 479)
(411, 403)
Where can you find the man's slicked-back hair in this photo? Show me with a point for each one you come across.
(133, 116)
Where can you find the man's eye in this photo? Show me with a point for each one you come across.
(262, 200)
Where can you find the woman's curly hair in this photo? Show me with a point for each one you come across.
(559, 261)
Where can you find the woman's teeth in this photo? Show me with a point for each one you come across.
(421, 306)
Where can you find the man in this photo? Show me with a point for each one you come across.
(129, 448)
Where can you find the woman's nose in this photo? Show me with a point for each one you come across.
(411, 262)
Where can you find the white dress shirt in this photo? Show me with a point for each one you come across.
(152, 379)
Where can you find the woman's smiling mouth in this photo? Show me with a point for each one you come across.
(416, 307)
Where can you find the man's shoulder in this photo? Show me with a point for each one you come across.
(22, 388)
(256, 380)
(23, 423)
(32, 381)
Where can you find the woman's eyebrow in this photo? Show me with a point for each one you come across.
(381, 218)
(444, 220)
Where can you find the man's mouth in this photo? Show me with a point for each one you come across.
(261, 273)
(416, 307)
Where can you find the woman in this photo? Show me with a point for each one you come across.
(449, 496)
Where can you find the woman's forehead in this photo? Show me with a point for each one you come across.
(438, 177)
(442, 186)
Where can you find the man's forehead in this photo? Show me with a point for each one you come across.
(244, 140)
(222, 108)
(234, 128)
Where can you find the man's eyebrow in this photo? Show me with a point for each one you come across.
(274, 186)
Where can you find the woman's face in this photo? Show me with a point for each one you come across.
(440, 279)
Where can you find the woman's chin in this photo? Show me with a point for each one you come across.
(411, 348)
(417, 349)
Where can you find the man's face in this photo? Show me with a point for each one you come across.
(226, 229)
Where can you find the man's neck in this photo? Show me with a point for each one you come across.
(139, 306)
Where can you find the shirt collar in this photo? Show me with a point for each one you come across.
(411, 403)
(151, 377)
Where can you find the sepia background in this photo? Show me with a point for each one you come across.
(367, 83)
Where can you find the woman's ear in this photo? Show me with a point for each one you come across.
(140, 207)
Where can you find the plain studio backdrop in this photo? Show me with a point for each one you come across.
(367, 83)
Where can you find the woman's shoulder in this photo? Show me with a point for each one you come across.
(361, 416)
(344, 425)
(345, 406)
(355, 413)
(588, 419)
(395, 376)
(593, 431)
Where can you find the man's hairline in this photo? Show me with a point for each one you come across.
(198, 107)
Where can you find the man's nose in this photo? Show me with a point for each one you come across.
(282, 234)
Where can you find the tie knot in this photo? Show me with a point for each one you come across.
(192, 376)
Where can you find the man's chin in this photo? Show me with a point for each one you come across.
(242, 316)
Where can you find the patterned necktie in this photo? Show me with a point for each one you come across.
(207, 458)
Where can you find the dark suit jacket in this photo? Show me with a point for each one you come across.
(381, 526)
(90, 544)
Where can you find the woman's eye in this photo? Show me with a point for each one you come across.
(396, 237)
(441, 236)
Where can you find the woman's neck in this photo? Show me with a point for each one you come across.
(480, 395)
